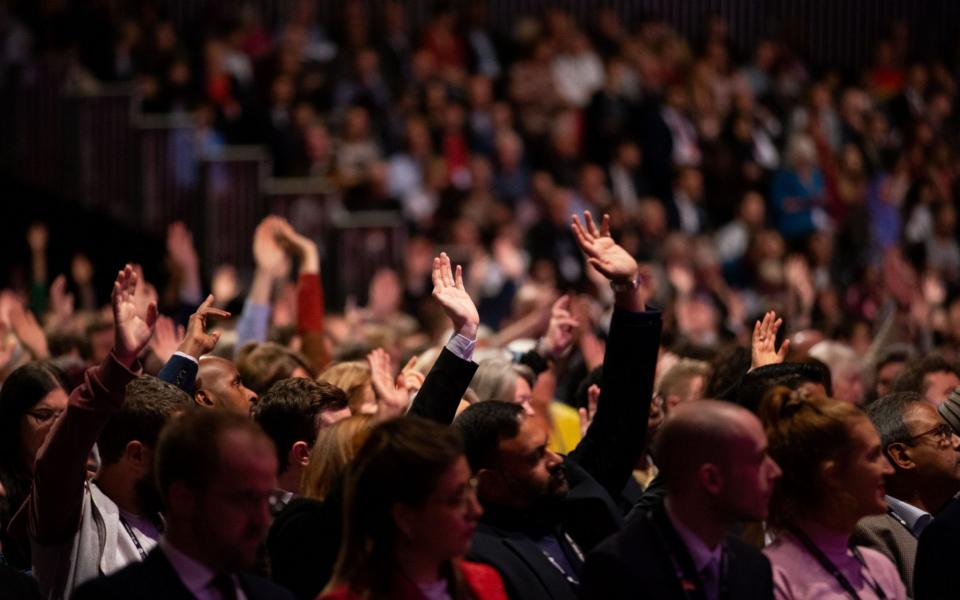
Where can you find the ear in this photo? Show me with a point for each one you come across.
(710, 478)
(671, 401)
(203, 399)
(299, 454)
(138, 455)
(899, 456)
(487, 481)
(830, 472)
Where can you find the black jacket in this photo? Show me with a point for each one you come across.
(597, 471)
(938, 554)
(155, 579)
(304, 539)
(639, 562)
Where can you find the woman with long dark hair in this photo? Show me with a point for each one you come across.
(32, 398)
(410, 513)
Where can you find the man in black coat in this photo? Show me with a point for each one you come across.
(544, 511)
(938, 553)
(713, 456)
(216, 472)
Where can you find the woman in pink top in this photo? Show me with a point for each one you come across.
(833, 470)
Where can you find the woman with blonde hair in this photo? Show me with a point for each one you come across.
(833, 476)
(332, 452)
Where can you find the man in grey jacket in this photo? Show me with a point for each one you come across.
(923, 450)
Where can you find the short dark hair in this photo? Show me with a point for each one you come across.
(483, 425)
(894, 353)
(792, 375)
(886, 414)
(188, 449)
(148, 405)
(910, 378)
(262, 365)
(288, 411)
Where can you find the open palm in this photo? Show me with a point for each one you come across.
(453, 297)
(603, 254)
(133, 328)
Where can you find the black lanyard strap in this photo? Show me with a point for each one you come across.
(834, 571)
(133, 536)
(690, 582)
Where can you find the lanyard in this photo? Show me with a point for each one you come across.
(691, 582)
(133, 536)
(570, 577)
(832, 569)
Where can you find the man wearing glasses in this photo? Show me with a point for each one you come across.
(923, 450)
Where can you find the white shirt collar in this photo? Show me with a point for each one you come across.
(915, 518)
(699, 552)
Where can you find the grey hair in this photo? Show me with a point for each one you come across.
(496, 379)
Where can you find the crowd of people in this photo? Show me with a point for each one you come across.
(740, 382)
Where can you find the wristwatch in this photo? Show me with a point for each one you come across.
(625, 286)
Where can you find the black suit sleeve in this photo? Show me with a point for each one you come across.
(96, 589)
(443, 388)
(616, 437)
(605, 576)
(938, 554)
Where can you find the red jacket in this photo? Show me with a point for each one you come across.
(483, 580)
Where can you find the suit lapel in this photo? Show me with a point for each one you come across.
(549, 575)
(165, 582)
(677, 553)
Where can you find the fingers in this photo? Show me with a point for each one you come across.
(562, 303)
(784, 350)
(591, 226)
(582, 237)
(152, 314)
(410, 363)
(435, 275)
(605, 226)
(446, 271)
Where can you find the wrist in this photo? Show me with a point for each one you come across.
(190, 349)
(468, 330)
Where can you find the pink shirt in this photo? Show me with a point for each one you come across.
(799, 576)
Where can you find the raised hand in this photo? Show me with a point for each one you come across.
(453, 298)
(37, 236)
(133, 327)
(305, 248)
(61, 302)
(8, 344)
(391, 400)
(180, 246)
(409, 378)
(587, 414)
(197, 341)
(560, 331)
(267, 252)
(604, 254)
(28, 331)
(166, 338)
(763, 349)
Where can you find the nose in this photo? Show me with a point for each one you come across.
(954, 441)
(553, 459)
(251, 395)
(474, 508)
(775, 470)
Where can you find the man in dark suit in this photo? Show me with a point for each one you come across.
(544, 511)
(922, 449)
(713, 456)
(216, 471)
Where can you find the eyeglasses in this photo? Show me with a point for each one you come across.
(45, 415)
(942, 432)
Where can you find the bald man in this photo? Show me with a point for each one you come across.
(218, 385)
(713, 456)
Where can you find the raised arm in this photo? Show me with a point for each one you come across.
(309, 295)
(181, 368)
(60, 473)
(270, 262)
(615, 438)
(450, 376)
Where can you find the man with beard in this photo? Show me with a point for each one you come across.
(80, 529)
(544, 511)
(216, 471)
(713, 457)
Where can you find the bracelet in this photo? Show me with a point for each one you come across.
(625, 286)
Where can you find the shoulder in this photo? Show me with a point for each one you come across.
(745, 553)
(883, 569)
(483, 580)
(263, 589)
